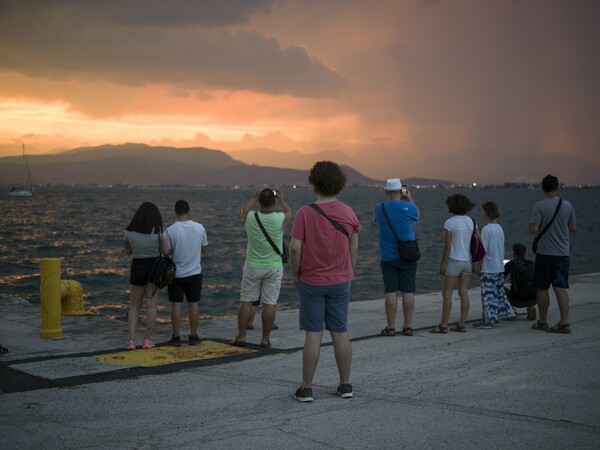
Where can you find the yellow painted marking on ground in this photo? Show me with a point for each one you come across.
(160, 356)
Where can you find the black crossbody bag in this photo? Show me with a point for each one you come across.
(409, 250)
(285, 254)
(163, 271)
(534, 245)
(337, 226)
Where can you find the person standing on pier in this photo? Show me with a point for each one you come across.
(399, 275)
(187, 241)
(263, 269)
(323, 253)
(555, 217)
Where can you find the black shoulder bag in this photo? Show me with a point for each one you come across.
(337, 226)
(534, 246)
(163, 270)
(409, 250)
(285, 254)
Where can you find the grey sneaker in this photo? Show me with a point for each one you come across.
(175, 341)
(193, 340)
(481, 325)
(304, 395)
(345, 390)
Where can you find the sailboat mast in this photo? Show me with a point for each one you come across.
(26, 164)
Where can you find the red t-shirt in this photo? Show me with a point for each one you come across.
(325, 258)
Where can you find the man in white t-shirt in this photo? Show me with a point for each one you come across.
(187, 241)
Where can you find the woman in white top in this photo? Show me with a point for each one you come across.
(493, 297)
(142, 238)
(455, 264)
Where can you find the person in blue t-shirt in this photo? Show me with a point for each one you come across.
(399, 276)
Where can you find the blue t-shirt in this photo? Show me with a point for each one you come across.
(403, 215)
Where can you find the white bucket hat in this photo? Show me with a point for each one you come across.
(393, 184)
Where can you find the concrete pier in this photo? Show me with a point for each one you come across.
(507, 387)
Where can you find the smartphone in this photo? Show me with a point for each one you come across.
(404, 190)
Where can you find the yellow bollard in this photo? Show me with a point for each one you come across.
(50, 298)
(71, 298)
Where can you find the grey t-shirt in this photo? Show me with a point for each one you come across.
(143, 245)
(555, 241)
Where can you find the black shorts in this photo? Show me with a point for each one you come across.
(190, 286)
(551, 270)
(140, 270)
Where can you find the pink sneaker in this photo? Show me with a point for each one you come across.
(130, 345)
(147, 343)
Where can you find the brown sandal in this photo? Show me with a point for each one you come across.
(408, 331)
(388, 332)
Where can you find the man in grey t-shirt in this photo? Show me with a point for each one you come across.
(552, 257)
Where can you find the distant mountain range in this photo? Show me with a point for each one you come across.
(140, 164)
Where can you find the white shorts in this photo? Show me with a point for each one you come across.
(455, 268)
(261, 284)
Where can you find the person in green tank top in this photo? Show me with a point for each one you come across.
(263, 268)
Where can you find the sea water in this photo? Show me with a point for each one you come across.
(83, 226)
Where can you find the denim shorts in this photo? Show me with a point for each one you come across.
(455, 267)
(261, 284)
(323, 304)
(399, 275)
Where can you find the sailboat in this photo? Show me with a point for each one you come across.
(25, 189)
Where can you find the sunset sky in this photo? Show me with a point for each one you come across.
(417, 82)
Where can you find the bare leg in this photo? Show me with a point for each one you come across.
(463, 292)
(343, 355)
(194, 311)
(244, 311)
(175, 317)
(562, 296)
(408, 308)
(151, 304)
(310, 356)
(251, 318)
(447, 287)
(391, 307)
(543, 301)
(268, 319)
(136, 296)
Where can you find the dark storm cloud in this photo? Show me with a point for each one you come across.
(137, 42)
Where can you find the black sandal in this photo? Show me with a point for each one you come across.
(439, 330)
(3, 350)
(407, 331)
(559, 328)
(237, 343)
(388, 332)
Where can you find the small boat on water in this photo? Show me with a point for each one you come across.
(25, 189)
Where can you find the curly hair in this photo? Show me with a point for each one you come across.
(459, 204)
(491, 210)
(327, 178)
